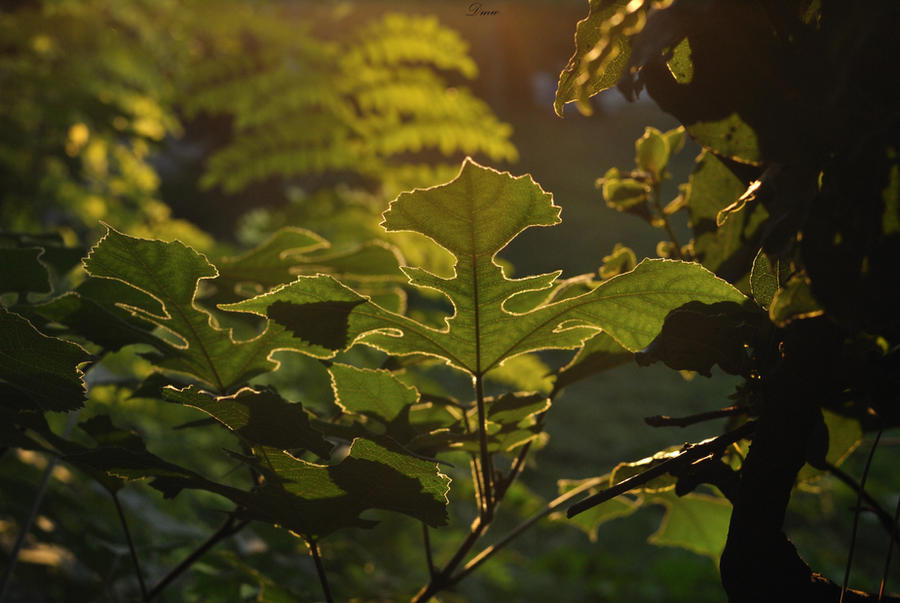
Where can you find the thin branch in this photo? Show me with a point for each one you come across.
(32, 512)
(320, 569)
(886, 520)
(887, 559)
(691, 453)
(229, 528)
(26, 526)
(665, 421)
(669, 230)
(557, 502)
(131, 549)
(487, 470)
(859, 497)
(428, 558)
(475, 467)
(441, 580)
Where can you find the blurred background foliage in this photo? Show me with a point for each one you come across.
(217, 122)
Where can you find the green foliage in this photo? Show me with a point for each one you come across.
(728, 72)
(168, 275)
(409, 408)
(79, 145)
(371, 104)
(38, 372)
(474, 217)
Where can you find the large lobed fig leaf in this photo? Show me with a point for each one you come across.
(474, 217)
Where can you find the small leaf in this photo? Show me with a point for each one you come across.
(675, 139)
(42, 370)
(662, 483)
(512, 409)
(680, 65)
(794, 301)
(524, 373)
(651, 152)
(738, 206)
(727, 250)
(377, 394)
(766, 279)
(621, 260)
(697, 522)
(844, 435)
(623, 194)
(325, 498)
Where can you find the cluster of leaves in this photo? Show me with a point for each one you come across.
(315, 472)
(785, 284)
(794, 200)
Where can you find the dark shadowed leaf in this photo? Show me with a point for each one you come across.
(697, 336)
(21, 270)
(43, 371)
(322, 324)
(259, 417)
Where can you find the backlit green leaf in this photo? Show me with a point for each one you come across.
(168, 275)
(623, 194)
(697, 522)
(621, 260)
(323, 498)
(375, 393)
(766, 279)
(651, 152)
(729, 249)
(474, 217)
(601, 53)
